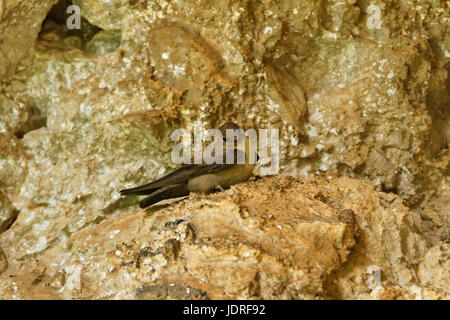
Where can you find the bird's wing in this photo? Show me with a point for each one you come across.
(183, 174)
(167, 192)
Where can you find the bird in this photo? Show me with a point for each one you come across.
(202, 178)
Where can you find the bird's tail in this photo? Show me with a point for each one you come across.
(141, 190)
(166, 192)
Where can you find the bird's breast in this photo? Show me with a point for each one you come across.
(223, 178)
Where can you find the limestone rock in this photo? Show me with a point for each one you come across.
(13, 163)
(356, 89)
(105, 14)
(297, 239)
(3, 261)
(7, 213)
(434, 270)
(20, 22)
(104, 42)
(381, 120)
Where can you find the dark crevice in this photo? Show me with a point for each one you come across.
(387, 189)
(9, 222)
(87, 37)
(36, 120)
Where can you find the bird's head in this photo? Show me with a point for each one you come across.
(233, 133)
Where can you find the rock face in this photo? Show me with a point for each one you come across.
(20, 23)
(359, 90)
(7, 213)
(271, 239)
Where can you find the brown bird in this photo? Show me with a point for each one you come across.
(201, 178)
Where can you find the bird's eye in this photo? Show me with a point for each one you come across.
(234, 140)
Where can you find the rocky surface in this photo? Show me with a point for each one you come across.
(84, 113)
(272, 238)
(20, 23)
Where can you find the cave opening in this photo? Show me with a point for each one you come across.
(65, 22)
